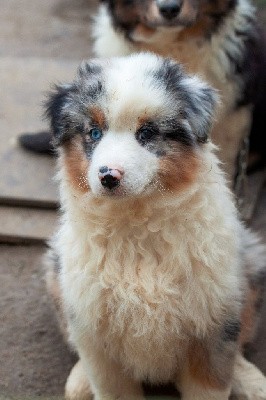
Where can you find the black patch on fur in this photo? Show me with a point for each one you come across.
(259, 302)
(248, 68)
(219, 18)
(173, 130)
(258, 128)
(231, 331)
(60, 122)
(258, 282)
(170, 74)
(125, 27)
(181, 135)
(67, 106)
(165, 133)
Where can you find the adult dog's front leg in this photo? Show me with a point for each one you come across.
(208, 371)
(107, 378)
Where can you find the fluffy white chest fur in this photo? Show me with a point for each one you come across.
(143, 276)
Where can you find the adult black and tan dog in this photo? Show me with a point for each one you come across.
(218, 39)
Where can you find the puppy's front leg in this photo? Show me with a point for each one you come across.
(107, 378)
(208, 371)
(193, 390)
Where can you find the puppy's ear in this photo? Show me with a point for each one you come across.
(67, 104)
(200, 103)
(56, 112)
(194, 98)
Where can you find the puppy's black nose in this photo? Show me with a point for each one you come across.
(110, 177)
(170, 9)
(110, 181)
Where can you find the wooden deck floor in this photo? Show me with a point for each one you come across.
(41, 42)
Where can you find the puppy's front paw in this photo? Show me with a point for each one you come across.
(252, 393)
(77, 385)
(249, 383)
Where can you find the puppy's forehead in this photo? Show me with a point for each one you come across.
(130, 89)
(135, 91)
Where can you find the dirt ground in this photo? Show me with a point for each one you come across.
(34, 361)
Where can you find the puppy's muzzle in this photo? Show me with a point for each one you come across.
(110, 176)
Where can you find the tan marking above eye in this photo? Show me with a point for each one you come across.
(142, 120)
(98, 116)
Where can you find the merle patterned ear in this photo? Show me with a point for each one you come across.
(196, 99)
(66, 103)
(55, 111)
(201, 101)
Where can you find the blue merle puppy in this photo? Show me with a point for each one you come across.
(156, 279)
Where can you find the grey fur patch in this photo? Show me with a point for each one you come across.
(196, 103)
(55, 261)
(67, 105)
(165, 133)
(231, 330)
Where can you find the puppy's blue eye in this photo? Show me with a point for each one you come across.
(145, 134)
(96, 134)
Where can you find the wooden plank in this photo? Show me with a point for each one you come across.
(44, 36)
(46, 29)
(24, 202)
(25, 225)
(26, 178)
(28, 397)
(8, 397)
